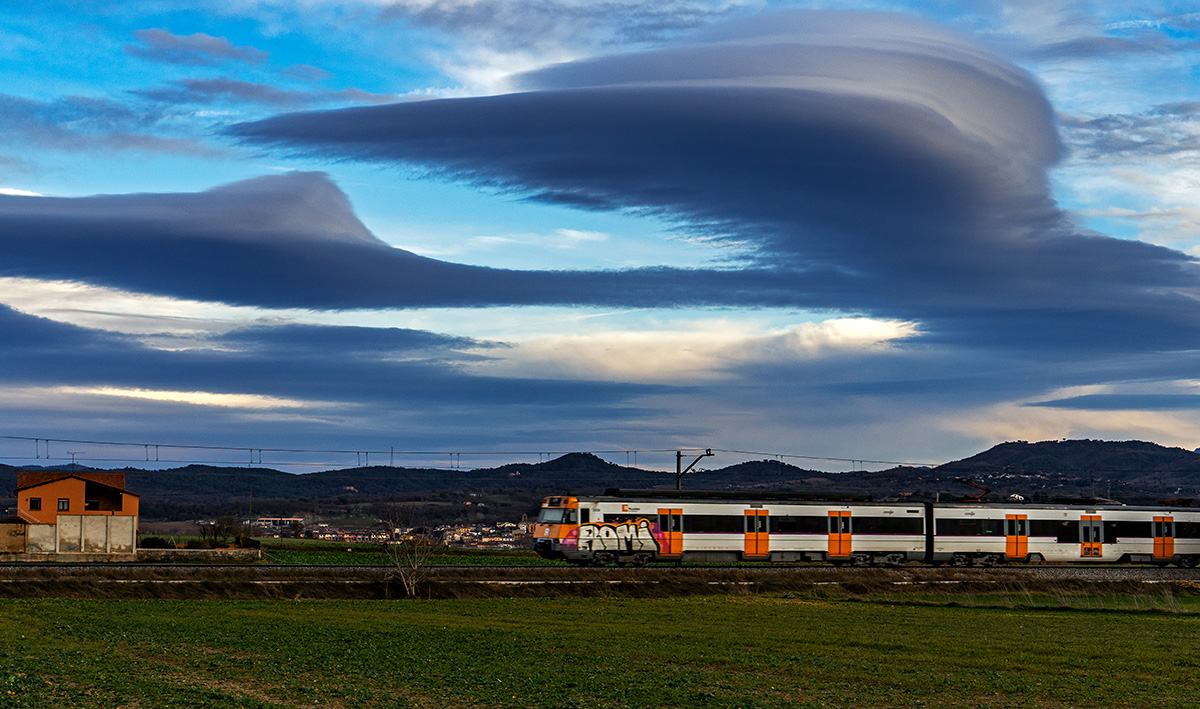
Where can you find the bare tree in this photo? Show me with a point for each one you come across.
(409, 549)
(220, 530)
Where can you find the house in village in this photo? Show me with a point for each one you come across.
(72, 512)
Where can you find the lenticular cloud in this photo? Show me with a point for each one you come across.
(861, 163)
(869, 162)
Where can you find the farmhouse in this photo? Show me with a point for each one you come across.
(75, 513)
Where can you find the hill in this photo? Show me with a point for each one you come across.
(1113, 458)
(1129, 471)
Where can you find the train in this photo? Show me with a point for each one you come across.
(642, 526)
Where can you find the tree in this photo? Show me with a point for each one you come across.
(223, 528)
(409, 549)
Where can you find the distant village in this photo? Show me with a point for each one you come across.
(502, 535)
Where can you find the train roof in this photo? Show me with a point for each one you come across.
(750, 495)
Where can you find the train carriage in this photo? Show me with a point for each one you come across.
(992, 533)
(651, 526)
(642, 526)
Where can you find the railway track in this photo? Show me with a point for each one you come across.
(817, 573)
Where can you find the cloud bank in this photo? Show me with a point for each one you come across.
(872, 163)
(861, 163)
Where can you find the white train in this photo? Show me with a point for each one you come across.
(638, 527)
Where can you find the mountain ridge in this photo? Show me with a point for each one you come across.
(1132, 471)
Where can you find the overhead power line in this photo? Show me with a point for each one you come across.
(253, 455)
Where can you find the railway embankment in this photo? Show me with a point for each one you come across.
(347, 582)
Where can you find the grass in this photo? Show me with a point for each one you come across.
(720, 652)
(371, 555)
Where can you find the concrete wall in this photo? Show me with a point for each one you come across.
(83, 534)
(122, 534)
(12, 537)
(70, 534)
(41, 539)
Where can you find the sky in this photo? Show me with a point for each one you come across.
(843, 234)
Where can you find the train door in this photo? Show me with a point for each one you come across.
(1164, 537)
(839, 533)
(758, 538)
(1091, 536)
(670, 523)
(1016, 535)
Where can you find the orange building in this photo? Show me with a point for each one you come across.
(77, 512)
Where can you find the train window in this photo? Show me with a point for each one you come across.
(840, 525)
(723, 524)
(585, 515)
(799, 525)
(551, 516)
(889, 525)
(1043, 527)
(1127, 529)
(570, 517)
(970, 527)
(1067, 532)
(1091, 531)
(1187, 530)
(756, 524)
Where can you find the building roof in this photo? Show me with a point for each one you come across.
(27, 479)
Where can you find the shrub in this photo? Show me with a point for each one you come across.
(156, 543)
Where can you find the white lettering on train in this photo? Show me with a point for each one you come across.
(625, 537)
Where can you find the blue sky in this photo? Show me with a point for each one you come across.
(882, 231)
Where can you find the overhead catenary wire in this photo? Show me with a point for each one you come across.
(254, 454)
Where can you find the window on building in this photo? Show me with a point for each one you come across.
(35, 504)
(64, 504)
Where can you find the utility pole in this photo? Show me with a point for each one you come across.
(680, 471)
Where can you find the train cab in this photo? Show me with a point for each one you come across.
(558, 520)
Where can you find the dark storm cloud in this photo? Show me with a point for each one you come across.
(197, 49)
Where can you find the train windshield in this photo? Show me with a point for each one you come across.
(551, 515)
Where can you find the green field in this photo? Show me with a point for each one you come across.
(685, 652)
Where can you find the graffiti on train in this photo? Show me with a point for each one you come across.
(626, 537)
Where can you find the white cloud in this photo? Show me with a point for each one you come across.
(120, 311)
(196, 398)
(703, 350)
(18, 193)
(561, 239)
(1016, 420)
